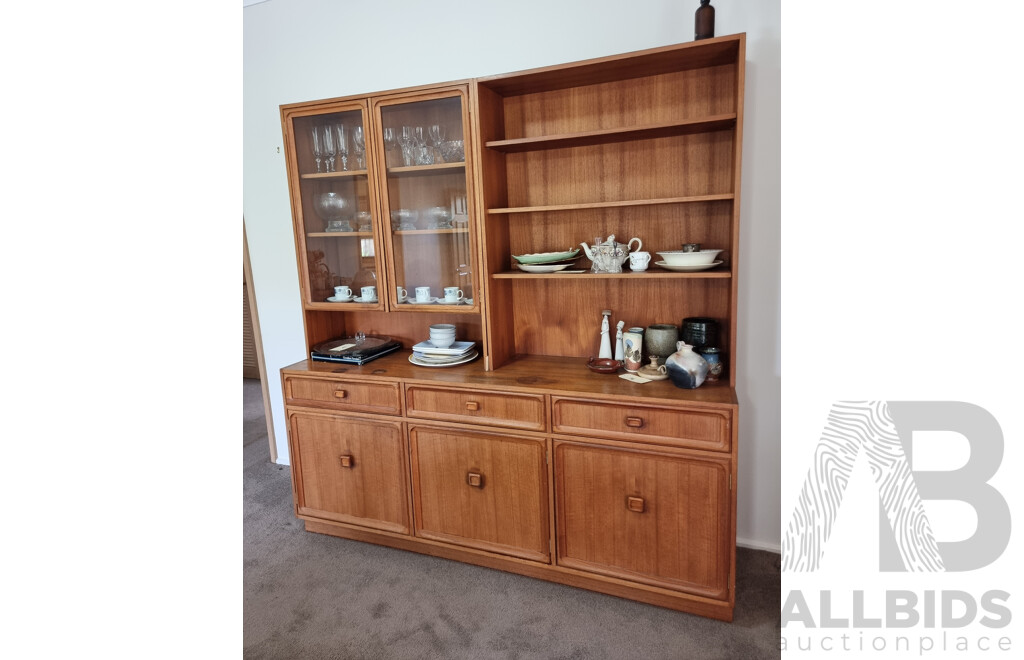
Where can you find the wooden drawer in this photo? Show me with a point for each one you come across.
(382, 398)
(481, 490)
(350, 470)
(699, 429)
(661, 519)
(518, 411)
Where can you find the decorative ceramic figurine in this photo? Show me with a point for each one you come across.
(606, 341)
(686, 368)
(618, 341)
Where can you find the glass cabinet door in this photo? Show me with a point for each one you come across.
(426, 201)
(336, 205)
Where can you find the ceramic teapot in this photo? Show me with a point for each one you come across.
(608, 256)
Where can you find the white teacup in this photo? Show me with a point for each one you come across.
(402, 293)
(638, 260)
(422, 294)
(342, 292)
(453, 294)
(369, 293)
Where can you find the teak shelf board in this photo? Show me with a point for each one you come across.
(606, 205)
(340, 234)
(625, 275)
(637, 64)
(607, 136)
(414, 232)
(436, 168)
(334, 175)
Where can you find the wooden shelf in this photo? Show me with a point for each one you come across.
(420, 232)
(653, 273)
(608, 136)
(609, 205)
(334, 175)
(437, 168)
(340, 234)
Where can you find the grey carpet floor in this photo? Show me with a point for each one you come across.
(313, 596)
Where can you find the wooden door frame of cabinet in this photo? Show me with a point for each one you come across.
(431, 93)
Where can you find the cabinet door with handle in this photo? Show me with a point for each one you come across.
(350, 470)
(480, 490)
(659, 518)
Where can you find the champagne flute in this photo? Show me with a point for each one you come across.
(359, 147)
(342, 146)
(436, 136)
(390, 141)
(329, 148)
(318, 148)
(407, 140)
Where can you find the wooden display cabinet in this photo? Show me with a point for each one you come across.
(524, 460)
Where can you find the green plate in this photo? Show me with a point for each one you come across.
(546, 257)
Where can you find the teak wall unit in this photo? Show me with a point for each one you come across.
(524, 460)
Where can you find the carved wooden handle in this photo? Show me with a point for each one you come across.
(635, 504)
(347, 461)
(635, 422)
(472, 405)
(341, 394)
(475, 479)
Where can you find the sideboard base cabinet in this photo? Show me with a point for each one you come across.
(523, 460)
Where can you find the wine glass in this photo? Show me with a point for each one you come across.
(436, 136)
(342, 145)
(390, 141)
(359, 147)
(407, 140)
(318, 149)
(329, 149)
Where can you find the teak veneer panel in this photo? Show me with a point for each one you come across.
(481, 490)
(350, 470)
(381, 398)
(521, 411)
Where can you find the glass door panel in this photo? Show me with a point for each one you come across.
(427, 201)
(337, 209)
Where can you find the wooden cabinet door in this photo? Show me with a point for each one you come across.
(350, 470)
(652, 517)
(480, 490)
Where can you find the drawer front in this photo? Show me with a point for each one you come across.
(480, 490)
(655, 518)
(350, 470)
(519, 411)
(382, 398)
(643, 423)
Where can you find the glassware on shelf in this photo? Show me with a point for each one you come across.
(435, 135)
(342, 146)
(318, 147)
(402, 220)
(359, 147)
(439, 217)
(332, 208)
(453, 151)
(407, 140)
(390, 142)
(329, 148)
(364, 220)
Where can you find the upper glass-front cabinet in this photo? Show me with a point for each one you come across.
(336, 205)
(425, 193)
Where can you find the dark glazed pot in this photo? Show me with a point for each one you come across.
(700, 331)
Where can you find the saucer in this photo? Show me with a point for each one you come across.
(337, 299)
(402, 301)
(413, 301)
(364, 300)
(443, 301)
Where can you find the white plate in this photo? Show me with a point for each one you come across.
(419, 362)
(543, 268)
(442, 301)
(337, 299)
(413, 301)
(456, 349)
(687, 269)
(364, 300)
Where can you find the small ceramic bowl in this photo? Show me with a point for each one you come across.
(603, 365)
(680, 258)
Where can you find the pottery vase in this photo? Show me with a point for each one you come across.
(659, 339)
(686, 369)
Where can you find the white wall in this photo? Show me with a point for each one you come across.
(303, 50)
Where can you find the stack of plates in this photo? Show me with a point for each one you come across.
(426, 354)
(546, 262)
